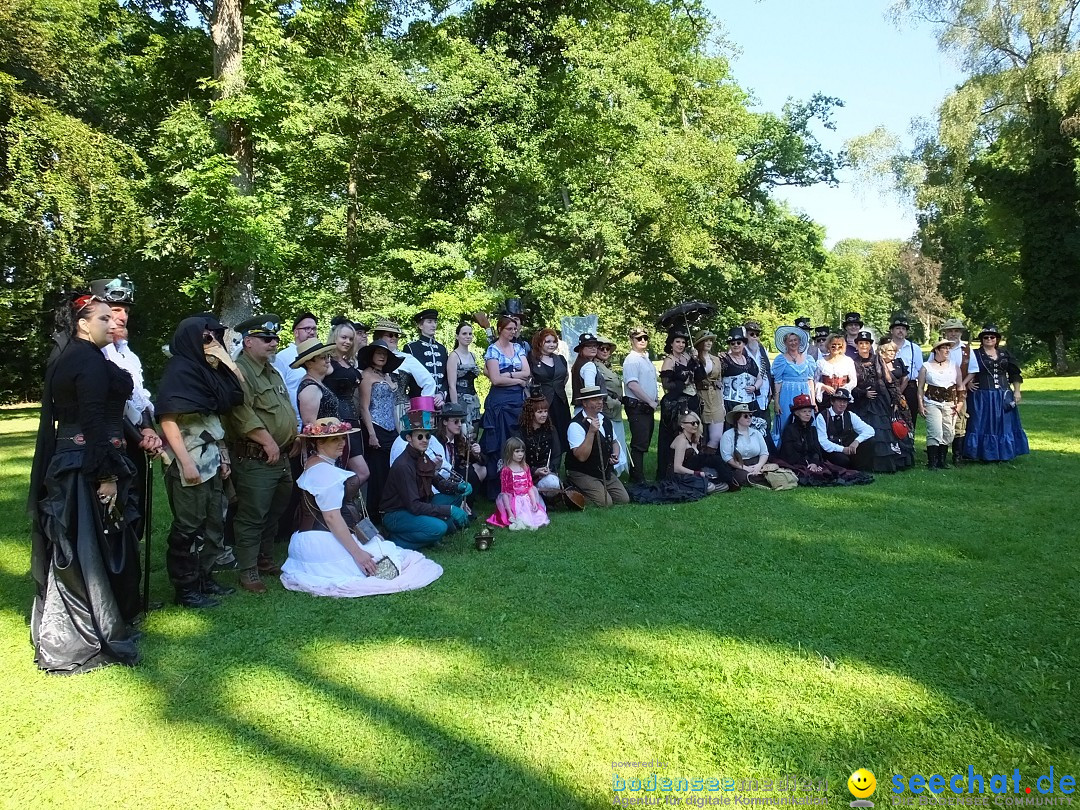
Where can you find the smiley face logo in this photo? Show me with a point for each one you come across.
(862, 784)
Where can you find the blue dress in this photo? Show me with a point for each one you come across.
(994, 432)
(793, 379)
(502, 412)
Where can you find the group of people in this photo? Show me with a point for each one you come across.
(364, 453)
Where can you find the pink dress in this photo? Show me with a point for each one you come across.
(516, 485)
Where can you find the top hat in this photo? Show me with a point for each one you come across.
(822, 331)
(736, 333)
(512, 307)
(585, 339)
(119, 290)
(864, 334)
(327, 428)
(416, 420)
(589, 392)
(363, 357)
(267, 325)
(803, 323)
(990, 329)
(900, 319)
(853, 317)
(426, 314)
(422, 403)
(308, 350)
(800, 402)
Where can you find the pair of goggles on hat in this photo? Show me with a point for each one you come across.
(267, 329)
(117, 290)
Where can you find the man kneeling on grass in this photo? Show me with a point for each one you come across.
(417, 515)
(594, 452)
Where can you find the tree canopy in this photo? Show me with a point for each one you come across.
(373, 157)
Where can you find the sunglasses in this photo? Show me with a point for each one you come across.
(695, 424)
(820, 340)
(736, 343)
(641, 337)
(752, 333)
(268, 338)
(419, 436)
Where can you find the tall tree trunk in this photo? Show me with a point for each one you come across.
(356, 294)
(1061, 365)
(234, 297)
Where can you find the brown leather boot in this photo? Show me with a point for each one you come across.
(251, 581)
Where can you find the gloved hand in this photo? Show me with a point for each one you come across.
(459, 517)
(464, 488)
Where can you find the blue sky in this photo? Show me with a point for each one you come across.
(886, 75)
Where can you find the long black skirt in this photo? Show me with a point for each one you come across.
(87, 571)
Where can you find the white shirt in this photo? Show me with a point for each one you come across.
(750, 447)
(956, 355)
(292, 376)
(139, 401)
(912, 357)
(434, 449)
(575, 434)
(863, 431)
(843, 366)
(637, 367)
(415, 369)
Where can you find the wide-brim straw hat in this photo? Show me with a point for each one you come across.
(781, 335)
(363, 357)
(329, 427)
(310, 349)
(939, 344)
(737, 410)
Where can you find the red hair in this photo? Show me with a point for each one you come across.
(538, 340)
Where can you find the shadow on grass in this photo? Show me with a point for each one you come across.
(903, 577)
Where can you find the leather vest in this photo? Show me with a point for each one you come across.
(596, 465)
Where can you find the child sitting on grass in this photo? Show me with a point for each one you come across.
(518, 506)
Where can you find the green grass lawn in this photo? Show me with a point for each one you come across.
(919, 625)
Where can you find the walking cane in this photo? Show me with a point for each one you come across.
(148, 513)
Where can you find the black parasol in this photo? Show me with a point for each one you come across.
(686, 314)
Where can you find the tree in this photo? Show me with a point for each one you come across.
(1008, 154)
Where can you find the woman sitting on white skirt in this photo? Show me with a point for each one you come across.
(330, 555)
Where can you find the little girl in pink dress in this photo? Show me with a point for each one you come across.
(518, 505)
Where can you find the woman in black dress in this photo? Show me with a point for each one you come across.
(344, 381)
(875, 405)
(679, 374)
(801, 451)
(84, 556)
(550, 373)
